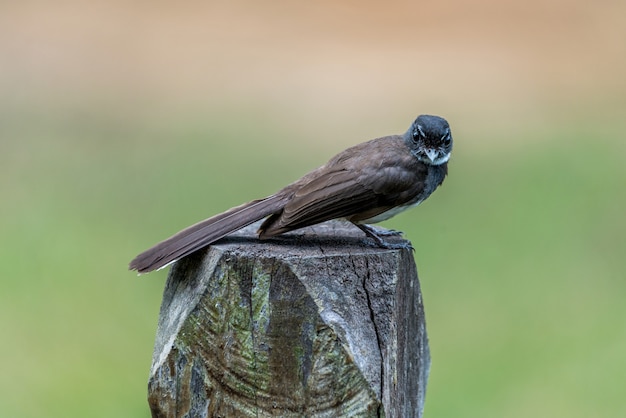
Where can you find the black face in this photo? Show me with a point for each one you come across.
(431, 139)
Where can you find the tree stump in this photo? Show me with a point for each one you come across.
(314, 323)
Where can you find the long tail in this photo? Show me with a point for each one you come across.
(203, 233)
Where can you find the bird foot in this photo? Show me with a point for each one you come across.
(376, 234)
(384, 232)
(402, 245)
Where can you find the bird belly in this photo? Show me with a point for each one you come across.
(389, 214)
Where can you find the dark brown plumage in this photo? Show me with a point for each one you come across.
(366, 183)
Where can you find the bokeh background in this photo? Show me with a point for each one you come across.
(122, 122)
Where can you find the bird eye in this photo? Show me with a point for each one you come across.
(446, 136)
(418, 133)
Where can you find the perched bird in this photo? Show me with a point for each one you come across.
(367, 183)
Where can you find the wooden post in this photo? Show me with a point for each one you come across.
(316, 323)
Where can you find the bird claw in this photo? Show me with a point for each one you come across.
(383, 232)
(402, 245)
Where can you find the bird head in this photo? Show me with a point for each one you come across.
(430, 139)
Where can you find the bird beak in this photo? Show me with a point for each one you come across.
(431, 154)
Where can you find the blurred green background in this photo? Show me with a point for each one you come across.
(122, 122)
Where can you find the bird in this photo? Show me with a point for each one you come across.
(364, 184)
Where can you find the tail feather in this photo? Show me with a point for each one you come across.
(203, 233)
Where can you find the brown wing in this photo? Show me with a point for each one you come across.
(371, 177)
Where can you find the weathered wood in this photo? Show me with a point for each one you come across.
(314, 323)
